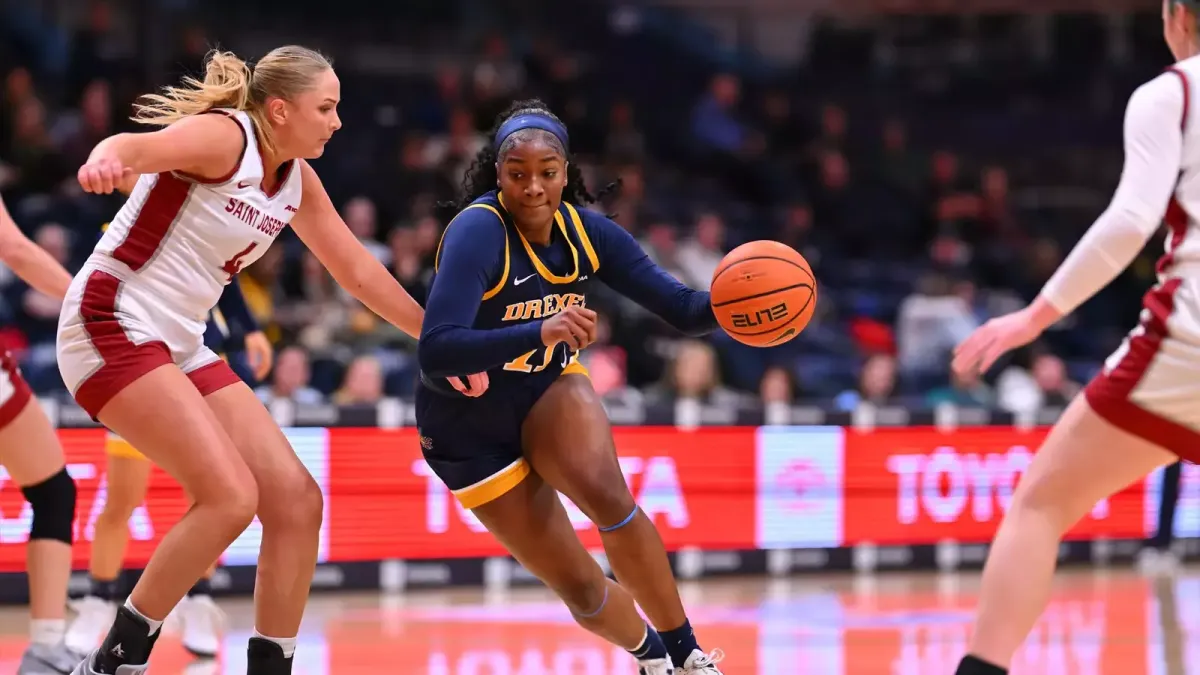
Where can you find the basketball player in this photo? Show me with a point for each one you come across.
(198, 618)
(513, 274)
(33, 459)
(1143, 410)
(214, 192)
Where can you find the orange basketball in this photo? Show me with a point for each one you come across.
(763, 293)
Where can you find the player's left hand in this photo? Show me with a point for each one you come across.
(259, 353)
(993, 339)
(478, 384)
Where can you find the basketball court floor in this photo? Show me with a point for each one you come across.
(1101, 622)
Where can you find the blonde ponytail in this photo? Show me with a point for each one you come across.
(226, 84)
(230, 83)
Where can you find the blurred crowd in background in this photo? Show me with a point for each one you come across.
(933, 169)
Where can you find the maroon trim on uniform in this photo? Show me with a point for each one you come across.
(153, 221)
(1187, 96)
(232, 172)
(284, 172)
(1108, 393)
(213, 377)
(21, 394)
(122, 361)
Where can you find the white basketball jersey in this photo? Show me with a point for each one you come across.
(182, 238)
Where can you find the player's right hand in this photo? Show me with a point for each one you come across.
(103, 176)
(575, 326)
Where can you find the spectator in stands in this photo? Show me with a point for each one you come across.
(876, 385)
(966, 391)
(693, 376)
(931, 322)
(312, 308)
(426, 239)
(832, 130)
(604, 360)
(362, 218)
(625, 142)
(898, 166)
(1050, 375)
(783, 131)
(662, 245)
(18, 90)
(796, 230)
(289, 380)
(363, 383)
(839, 206)
(699, 256)
(716, 126)
(778, 385)
(1043, 384)
(455, 149)
(39, 169)
(408, 264)
(78, 133)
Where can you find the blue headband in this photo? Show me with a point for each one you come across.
(531, 121)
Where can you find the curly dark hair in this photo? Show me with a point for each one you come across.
(481, 177)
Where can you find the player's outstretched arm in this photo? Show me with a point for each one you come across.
(29, 261)
(626, 268)
(352, 266)
(470, 261)
(206, 146)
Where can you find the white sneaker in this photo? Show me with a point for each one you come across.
(655, 667)
(203, 667)
(41, 659)
(85, 668)
(173, 624)
(203, 625)
(94, 618)
(700, 663)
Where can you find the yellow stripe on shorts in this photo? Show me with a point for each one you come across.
(115, 446)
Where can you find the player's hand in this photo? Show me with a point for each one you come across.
(260, 354)
(993, 339)
(102, 176)
(476, 385)
(575, 326)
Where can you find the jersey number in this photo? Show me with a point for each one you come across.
(521, 363)
(234, 264)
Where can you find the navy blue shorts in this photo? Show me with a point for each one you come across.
(474, 444)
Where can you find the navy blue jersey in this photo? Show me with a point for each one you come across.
(492, 289)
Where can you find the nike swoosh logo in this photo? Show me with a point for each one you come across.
(522, 280)
(243, 184)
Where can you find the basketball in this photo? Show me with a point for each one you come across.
(763, 293)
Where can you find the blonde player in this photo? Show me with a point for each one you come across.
(33, 459)
(1143, 410)
(199, 620)
(215, 190)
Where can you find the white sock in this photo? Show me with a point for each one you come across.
(47, 631)
(154, 625)
(287, 644)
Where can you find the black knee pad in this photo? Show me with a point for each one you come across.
(53, 502)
